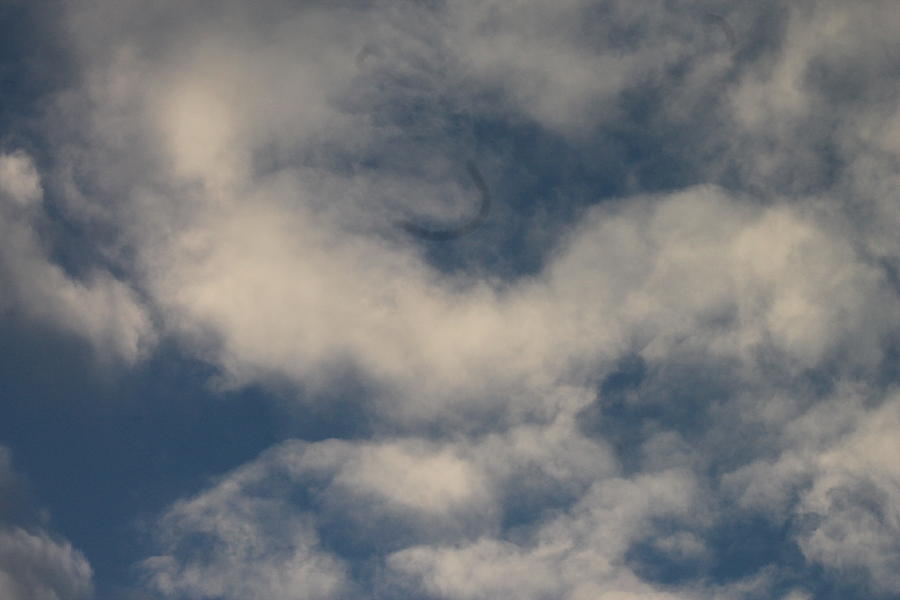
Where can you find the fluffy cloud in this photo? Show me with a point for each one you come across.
(834, 478)
(291, 509)
(695, 269)
(277, 264)
(575, 556)
(33, 564)
(252, 164)
(854, 502)
(101, 309)
(19, 179)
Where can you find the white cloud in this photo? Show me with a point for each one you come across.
(33, 564)
(19, 180)
(413, 477)
(245, 536)
(855, 502)
(836, 474)
(231, 154)
(574, 556)
(279, 265)
(287, 299)
(101, 309)
(250, 550)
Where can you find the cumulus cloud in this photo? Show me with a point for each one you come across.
(852, 504)
(372, 498)
(37, 567)
(101, 309)
(34, 565)
(574, 556)
(292, 275)
(695, 268)
(252, 162)
(19, 179)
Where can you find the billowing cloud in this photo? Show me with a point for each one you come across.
(101, 309)
(694, 348)
(33, 566)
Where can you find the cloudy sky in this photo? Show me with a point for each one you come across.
(449, 300)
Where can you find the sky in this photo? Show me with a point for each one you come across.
(470, 300)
